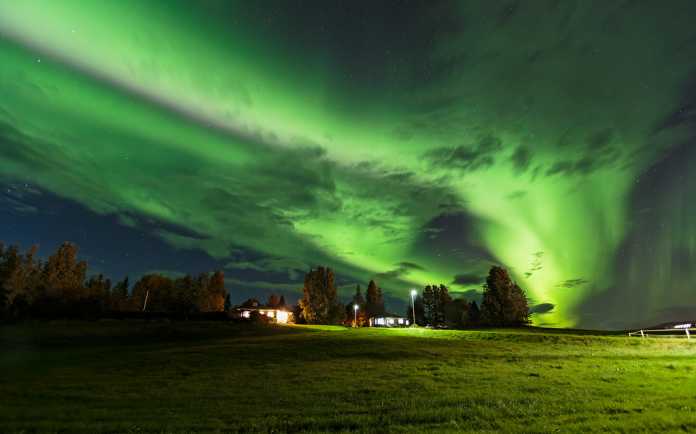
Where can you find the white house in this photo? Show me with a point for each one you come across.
(389, 321)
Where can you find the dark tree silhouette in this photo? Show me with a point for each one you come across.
(228, 302)
(504, 303)
(456, 313)
(273, 301)
(119, 296)
(319, 302)
(374, 300)
(473, 314)
(429, 305)
(350, 308)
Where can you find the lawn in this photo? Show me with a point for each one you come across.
(220, 377)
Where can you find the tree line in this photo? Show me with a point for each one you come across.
(503, 303)
(59, 286)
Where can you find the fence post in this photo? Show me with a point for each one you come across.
(688, 335)
(642, 335)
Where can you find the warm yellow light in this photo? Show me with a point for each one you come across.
(282, 316)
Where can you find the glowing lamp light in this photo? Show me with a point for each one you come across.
(282, 316)
(355, 307)
(413, 293)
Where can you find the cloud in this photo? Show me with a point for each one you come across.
(598, 153)
(292, 268)
(402, 269)
(541, 308)
(521, 158)
(517, 194)
(468, 279)
(536, 264)
(469, 295)
(467, 157)
(572, 283)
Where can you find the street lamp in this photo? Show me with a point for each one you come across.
(413, 304)
(355, 315)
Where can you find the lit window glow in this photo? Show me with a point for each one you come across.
(282, 316)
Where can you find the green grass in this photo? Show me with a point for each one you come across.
(217, 377)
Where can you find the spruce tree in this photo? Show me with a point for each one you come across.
(374, 300)
(473, 314)
(273, 301)
(360, 302)
(429, 306)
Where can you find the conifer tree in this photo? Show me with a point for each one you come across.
(119, 296)
(228, 303)
(374, 300)
(504, 303)
(473, 314)
(429, 306)
(273, 301)
(358, 300)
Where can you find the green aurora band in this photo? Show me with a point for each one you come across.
(477, 133)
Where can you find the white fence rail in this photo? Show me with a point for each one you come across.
(664, 333)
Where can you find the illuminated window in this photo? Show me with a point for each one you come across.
(401, 320)
(390, 321)
(406, 322)
(380, 321)
(246, 314)
(282, 316)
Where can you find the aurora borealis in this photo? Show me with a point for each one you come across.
(412, 142)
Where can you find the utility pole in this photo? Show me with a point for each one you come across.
(147, 294)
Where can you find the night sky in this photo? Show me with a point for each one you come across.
(410, 142)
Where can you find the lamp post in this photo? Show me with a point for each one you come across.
(355, 315)
(413, 304)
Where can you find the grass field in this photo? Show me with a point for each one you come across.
(218, 377)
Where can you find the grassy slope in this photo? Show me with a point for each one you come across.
(139, 377)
